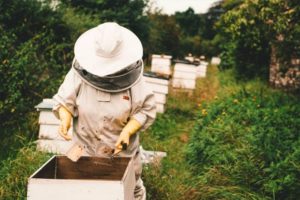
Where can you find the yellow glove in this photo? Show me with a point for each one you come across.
(131, 128)
(65, 122)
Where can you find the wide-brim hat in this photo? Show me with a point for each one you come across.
(107, 49)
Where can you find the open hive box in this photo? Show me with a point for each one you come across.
(89, 178)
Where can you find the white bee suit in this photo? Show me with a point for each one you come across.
(99, 117)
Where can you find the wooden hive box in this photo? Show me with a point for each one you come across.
(184, 76)
(201, 69)
(160, 88)
(90, 178)
(49, 138)
(161, 64)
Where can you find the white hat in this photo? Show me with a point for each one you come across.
(107, 48)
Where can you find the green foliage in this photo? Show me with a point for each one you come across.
(128, 13)
(35, 55)
(250, 141)
(14, 172)
(251, 27)
(164, 35)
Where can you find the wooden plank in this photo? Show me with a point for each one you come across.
(161, 56)
(161, 64)
(50, 132)
(75, 190)
(46, 104)
(156, 80)
(184, 75)
(182, 67)
(89, 178)
(161, 69)
(47, 117)
(54, 146)
(91, 168)
(201, 70)
(183, 83)
(164, 89)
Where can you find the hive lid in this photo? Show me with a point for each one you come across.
(46, 104)
(156, 75)
(186, 62)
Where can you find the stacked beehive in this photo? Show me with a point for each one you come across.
(49, 138)
(201, 69)
(161, 64)
(215, 60)
(184, 75)
(160, 88)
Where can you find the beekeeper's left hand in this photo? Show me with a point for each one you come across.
(131, 128)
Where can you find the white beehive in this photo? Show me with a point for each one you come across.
(160, 88)
(201, 69)
(161, 64)
(49, 138)
(215, 60)
(184, 76)
(89, 178)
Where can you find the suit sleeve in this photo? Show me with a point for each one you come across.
(67, 93)
(143, 104)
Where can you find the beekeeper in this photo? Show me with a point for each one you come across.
(105, 94)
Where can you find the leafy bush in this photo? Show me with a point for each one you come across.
(35, 49)
(248, 141)
(251, 28)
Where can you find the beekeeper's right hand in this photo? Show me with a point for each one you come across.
(65, 122)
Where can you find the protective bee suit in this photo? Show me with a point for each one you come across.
(105, 94)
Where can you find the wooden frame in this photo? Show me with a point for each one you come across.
(90, 178)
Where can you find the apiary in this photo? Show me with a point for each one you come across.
(160, 88)
(184, 76)
(90, 178)
(49, 138)
(161, 64)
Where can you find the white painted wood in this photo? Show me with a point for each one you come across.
(164, 89)
(161, 64)
(184, 75)
(161, 70)
(74, 189)
(50, 132)
(46, 104)
(160, 98)
(215, 60)
(203, 63)
(189, 58)
(160, 108)
(156, 80)
(184, 83)
(182, 67)
(201, 70)
(159, 56)
(54, 146)
(56, 189)
(47, 117)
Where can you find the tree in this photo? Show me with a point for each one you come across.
(252, 27)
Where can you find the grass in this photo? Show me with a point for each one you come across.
(180, 175)
(173, 179)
